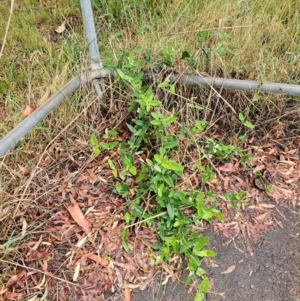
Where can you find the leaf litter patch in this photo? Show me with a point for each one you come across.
(73, 245)
(272, 179)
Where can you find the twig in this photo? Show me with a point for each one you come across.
(7, 27)
(33, 173)
(219, 95)
(182, 207)
(40, 271)
(147, 219)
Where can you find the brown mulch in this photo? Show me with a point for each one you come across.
(72, 221)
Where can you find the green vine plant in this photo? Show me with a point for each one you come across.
(147, 158)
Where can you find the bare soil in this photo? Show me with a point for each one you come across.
(69, 197)
(271, 274)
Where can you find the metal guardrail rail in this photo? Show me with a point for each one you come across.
(97, 73)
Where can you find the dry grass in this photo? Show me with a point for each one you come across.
(244, 39)
(261, 38)
(238, 39)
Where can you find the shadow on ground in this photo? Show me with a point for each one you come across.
(272, 273)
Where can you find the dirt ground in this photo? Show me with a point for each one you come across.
(272, 273)
(74, 225)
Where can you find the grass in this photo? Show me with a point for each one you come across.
(235, 39)
(248, 47)
(38, 60)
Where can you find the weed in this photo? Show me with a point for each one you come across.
(269, 190)
(246, 123)
(236, 199)
(206, 172)
(218, 150)
(95, 145)
(233, 38)
(158, 196)
(203, 288)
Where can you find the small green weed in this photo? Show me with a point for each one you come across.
(246, 123)
(269, 190)
(206, 173)
(96, 146)
(202, 289)
(158, 199)
(236, 199)
(36, 59)
(218, 150)
(150, 174)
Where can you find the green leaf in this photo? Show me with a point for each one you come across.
(167, 178)
(156, 246)
(249, 125)
(159, 159)
(155, 103)
(162, 151)
(132, 170)
(170, 209)
(160, 189)
(194, 262)
(204, 285)
(185, 54)
(172, 89)
(199, 296)
(169, 239)
(137, 212)
(200, 125)
(206, 214)
(127, 217)
(111, 164)
(175, 246)
(94, 141)
(124, 76)
(190, 105)
(131, 128)
(157, 168)
(122, 189)
(255, 97)
(141, 177)
(241, 117)
(172, 240)
(200, 244)
(96, 150)
(122, 174)
(138, 122)
(149, 162)
(206, 253)
(180, 222)
(169, 120)
(124, 239)
(156, 116)
(138, 78)
(127, 162)
(110, 145)
(239, 195)
(200, 272)
(155, 122)
(189, 278)
(113, 168)
(171, 165)
(163, 85)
